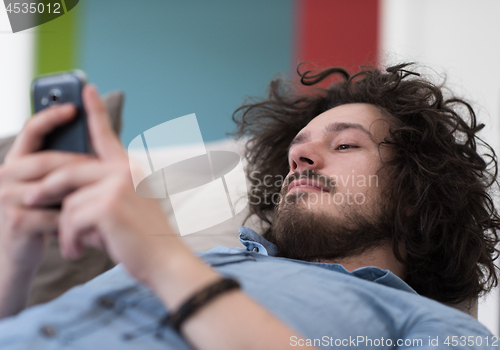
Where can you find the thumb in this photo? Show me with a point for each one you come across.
(104, 140)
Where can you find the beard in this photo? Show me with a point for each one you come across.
(311, 235)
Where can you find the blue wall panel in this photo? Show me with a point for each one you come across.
(174, 58)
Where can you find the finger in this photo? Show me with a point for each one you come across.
(59, 183)
(31, 137)
(90, 238)
(69, 244)
(87, 194)
(30, 222)
(78, 225)
(37, 165)
(15, 193)
(93, 239)
(104, 140)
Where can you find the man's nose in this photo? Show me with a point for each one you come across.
(305, 156)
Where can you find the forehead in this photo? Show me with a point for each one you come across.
(368, 116)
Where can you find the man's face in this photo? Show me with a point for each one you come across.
(334, 189)
(340, 146)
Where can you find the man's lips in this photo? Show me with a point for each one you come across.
(308, 184)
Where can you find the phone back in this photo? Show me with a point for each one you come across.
(56, 89)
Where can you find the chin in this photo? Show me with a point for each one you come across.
(310, 200)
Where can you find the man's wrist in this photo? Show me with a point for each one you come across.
(178, 275)
(15, 282)
(16, 274)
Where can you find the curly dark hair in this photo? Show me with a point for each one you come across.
(443, 215)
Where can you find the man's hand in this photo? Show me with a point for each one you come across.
(100, 207)
(23, 229)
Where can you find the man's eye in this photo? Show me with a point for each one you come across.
(341, 147)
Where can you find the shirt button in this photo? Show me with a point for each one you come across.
(255, 249)
(48, 331)
(106, 303)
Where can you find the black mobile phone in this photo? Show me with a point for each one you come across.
(49, 90)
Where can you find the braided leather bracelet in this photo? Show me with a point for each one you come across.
(198, 300)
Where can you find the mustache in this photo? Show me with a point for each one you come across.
(312, 174)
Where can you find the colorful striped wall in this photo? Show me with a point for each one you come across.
(174, 58)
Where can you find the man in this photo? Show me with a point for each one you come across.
(385, 196)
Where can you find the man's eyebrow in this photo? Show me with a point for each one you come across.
(337, 127)
(333, 127)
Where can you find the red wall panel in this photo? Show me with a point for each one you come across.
(336, 32)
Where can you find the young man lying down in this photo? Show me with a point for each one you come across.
(384, 215)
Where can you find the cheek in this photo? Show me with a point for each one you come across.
(358, 185)
(359, 177)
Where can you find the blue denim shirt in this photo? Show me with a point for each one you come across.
(325, 304)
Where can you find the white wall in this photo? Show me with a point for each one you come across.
(16, 72)
(462, 39)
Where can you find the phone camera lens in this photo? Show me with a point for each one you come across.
(54, 96)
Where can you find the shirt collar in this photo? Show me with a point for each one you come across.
(256, 243)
